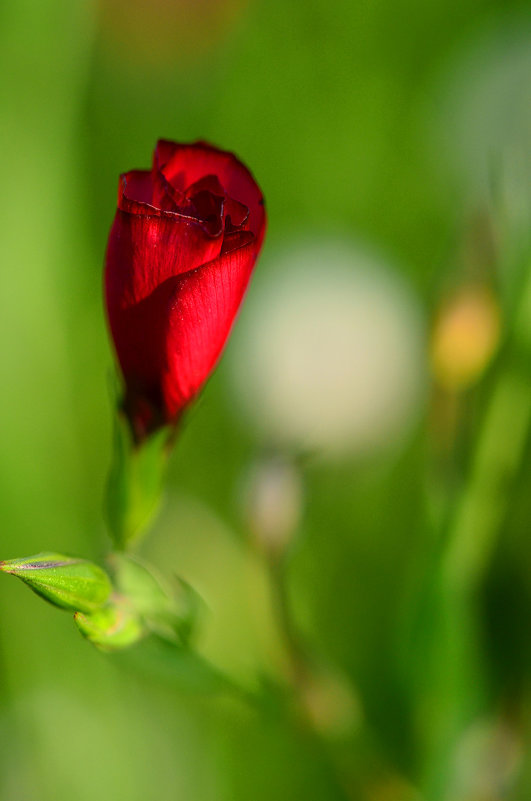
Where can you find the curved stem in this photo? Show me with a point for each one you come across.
(295, 650)
(302, 672)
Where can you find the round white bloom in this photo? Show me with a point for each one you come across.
(330, 353)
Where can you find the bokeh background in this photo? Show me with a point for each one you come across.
(384, 349)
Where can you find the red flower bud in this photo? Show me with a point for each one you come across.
(180, 254)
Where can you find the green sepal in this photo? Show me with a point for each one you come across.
(135, 482)
(168, 609)
(191, 606)
(64, 581)
(112, 628)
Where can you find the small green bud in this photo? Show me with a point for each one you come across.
(64, 581)
(112, 628)
(144, 587)
(135, 482)
(168, 610)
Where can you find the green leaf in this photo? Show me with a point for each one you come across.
(64, 581)
(135, 482)
(112, 628)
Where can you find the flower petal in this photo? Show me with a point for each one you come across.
(169, 343)
(236, 239)
(183, 165)
(135, 191)
(204, 307)
(236, 214)
(209, 183)
(144, 251)
(181, 250)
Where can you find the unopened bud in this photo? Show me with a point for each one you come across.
(273, 503)
(330, 704)
(465, 337)
(113, 627)
(168, 609)
(66, 582)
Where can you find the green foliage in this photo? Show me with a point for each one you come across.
(66, 582)
(169, 609)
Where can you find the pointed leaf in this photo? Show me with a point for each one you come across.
(64, 581)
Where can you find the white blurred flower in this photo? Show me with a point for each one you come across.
(329, 353)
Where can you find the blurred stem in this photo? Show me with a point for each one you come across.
(4, 688)
(482, 505)
(294, 648)
(301, 672)
(498, 454)
(456, 683)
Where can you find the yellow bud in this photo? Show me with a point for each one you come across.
(330, 704)
(465, 337)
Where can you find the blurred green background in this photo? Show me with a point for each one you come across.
(401, 129)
